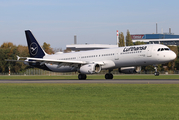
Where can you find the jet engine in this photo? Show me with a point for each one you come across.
(130, 70)
(90, 69)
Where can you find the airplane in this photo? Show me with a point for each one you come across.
(128, 59)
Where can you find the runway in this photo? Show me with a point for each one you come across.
(131, 81)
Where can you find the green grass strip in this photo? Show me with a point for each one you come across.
(89, 101)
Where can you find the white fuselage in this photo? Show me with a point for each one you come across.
(140, 55)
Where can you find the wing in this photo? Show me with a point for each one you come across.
(43, 61)
(57, 62)
(53, 61)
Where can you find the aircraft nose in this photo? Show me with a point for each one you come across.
(172, 55)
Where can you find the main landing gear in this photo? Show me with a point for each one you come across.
(109, 75)
(156, 73)
(82, 76)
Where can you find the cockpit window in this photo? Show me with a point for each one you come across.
(166, 49)
(163, 49)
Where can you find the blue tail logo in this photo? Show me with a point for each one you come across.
(34, 48)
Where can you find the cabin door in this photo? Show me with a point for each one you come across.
(116, 55)
(149, 51)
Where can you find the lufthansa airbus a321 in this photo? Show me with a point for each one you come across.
(93, 61)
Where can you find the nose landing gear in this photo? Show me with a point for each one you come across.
(156, 73)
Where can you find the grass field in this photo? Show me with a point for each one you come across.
(128, 76)
(89, 101)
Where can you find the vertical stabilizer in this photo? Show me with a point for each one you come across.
(35, 49)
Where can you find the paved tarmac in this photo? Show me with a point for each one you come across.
(131, 81)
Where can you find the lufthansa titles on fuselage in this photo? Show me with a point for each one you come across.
(129, 49)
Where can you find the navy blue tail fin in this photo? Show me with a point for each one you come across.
(35, 49)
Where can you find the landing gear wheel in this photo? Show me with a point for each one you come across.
(82, 76)
(156, 73)
(108, 76)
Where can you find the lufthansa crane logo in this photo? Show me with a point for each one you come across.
(33, 48)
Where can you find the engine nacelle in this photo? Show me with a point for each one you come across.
(90, 69)
(130, 70)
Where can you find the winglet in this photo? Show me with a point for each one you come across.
(18, 57)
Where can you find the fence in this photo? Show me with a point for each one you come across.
(35, 71)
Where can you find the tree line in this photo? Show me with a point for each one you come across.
(10, 51)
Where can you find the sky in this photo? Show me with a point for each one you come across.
(92, 21)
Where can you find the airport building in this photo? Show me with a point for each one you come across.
(166, 39)
(77, 47)
(83, 47)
